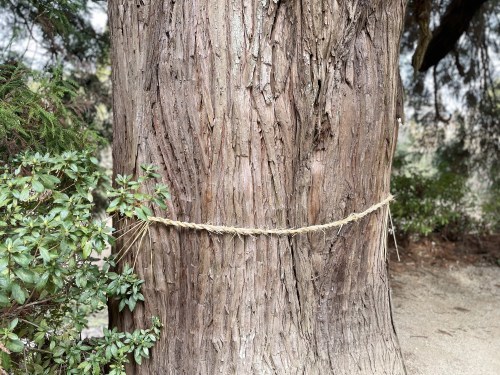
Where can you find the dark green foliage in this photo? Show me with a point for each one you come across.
(62, 34)
(95, 97)
(483, 133)
(49, 283)
(428, 202)
(461, 91)
(491, 203)
(61, 27)
(41, 112)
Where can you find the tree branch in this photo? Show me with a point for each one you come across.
(453, 24)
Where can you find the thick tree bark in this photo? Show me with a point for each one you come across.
(262, 114)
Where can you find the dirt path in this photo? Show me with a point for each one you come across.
(448, 320)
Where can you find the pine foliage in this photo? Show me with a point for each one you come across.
(40, 112)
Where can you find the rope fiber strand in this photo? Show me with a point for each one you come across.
(221, 229)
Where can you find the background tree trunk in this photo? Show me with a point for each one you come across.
(262, 114)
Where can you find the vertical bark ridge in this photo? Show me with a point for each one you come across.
(265, 114)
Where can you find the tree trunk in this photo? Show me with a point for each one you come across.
(270, 114)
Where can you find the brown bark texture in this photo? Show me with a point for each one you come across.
(271, 114)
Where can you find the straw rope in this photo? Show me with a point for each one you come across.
(221, 229)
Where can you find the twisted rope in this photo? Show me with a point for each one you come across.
(221, 229)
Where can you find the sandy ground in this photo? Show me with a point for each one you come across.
(448, 320)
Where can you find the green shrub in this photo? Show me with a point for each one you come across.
(429, 202)
(41, 112)
(49, 283)
(491, 204)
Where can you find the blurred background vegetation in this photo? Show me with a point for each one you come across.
(55, 89)
(446, 171)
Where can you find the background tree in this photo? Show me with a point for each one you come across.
(54, 46)
(452, 94)
(262, 114)
(62, 28)
(41, 111)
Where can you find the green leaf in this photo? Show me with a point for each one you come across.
(42, 281)
(39, 338)
(4, 300)
(114, 203)
(121, 305)
(44, 253)
(4, 263)
(85, 366)
(70, 174)
(18, 293)
(37, 186)
(25, 194)
(137, 356)
(13, 324)
(5, 361)
(147, 211)
(64, 214)
(140, 214)
(25, 275)
(22, 259)
(15, 346)
(48, 180)
(87, 249)
(131, 304)
(58, 351)
(4, 199)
